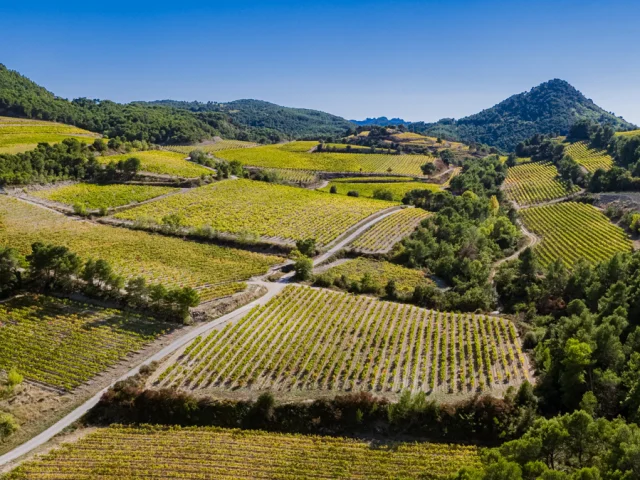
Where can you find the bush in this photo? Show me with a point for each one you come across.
(383, 194)
(333, 189)
(353, 193)
(307, 247)
(303, 268)
(14, 378)
(8, 425)
(80, 209)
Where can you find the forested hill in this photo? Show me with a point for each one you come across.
(551, 107)
(20, 97)
(294, 122)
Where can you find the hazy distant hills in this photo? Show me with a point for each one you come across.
(380, 121)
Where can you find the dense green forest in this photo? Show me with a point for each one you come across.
(549, 108)
(293, 122)
(21, 97)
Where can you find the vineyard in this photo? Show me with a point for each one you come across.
(159, 259)
(407, 279)
(535, 182)
(313, 339)
(382, 236)
(94, 196)
(590, 158)
(296, 155)
(64, 344)
(162, 163)
(298, 177)
(210, 452)
(263, 209)
(574, 230)
(211, 147)
(19, 135)
(630, 133)
(397, 189)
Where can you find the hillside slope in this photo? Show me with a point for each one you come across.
(21, 97)
(551, 107)
(293, 122)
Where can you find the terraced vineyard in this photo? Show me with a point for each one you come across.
(93, 196)
(211, 147)
(309, 339)
(397, 189)
(574, 230)
(407, 279)
(19, 134)
(264, 209)
(162, 163)
(159, 259)
(296, 155)
(382, 236)
(297, 177)
(630, 133)
(535, 182)
(590, 158)
(63, 343)
(209, 452)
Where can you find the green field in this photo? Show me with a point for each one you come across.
(397, 189)
(381, 272)
(310, 341)
(535, 182)
(127, 452)
(296, 155)
(160, 259)
(574, 230)
(263, 209)
(590, 158)
(94, 196)
(63, 344)
(20, 135)
(162, 163)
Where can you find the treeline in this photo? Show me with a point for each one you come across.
(20, 97)
(54, 268)
(68, 160)
(480, 419)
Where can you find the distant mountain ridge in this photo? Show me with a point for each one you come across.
(551, 107)
(380, 122)
(294, 122)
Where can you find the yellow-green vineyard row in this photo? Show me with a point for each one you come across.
(535, 182)
(263, 209)
(308, 339)
(574, 230)
(382, 236)
(162, 163)
(296, 155)
(407, 279)
(94, 196)
(211, 147)
(397, 189)
(63, 343)
(19, 135)
(590, 158)
(207, 452)
(159, 259)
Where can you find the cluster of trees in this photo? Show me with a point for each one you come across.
(20, 97)
(69, 159)
(524, 115)
(223, 168)
(54, 268)
(585, 328)
(459, 243)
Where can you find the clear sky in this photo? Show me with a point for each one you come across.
(419, 60)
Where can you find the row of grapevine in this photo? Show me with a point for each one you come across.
(207, 452)
(63, 343)
(262, 209)
(314, 339)
(535, 182)
(572, 231)
(382, 236)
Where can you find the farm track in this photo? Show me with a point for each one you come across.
(272, 290)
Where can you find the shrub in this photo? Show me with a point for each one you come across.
(8, 425)
(303, 268)
(14, 378)
(333, 189)
(353, 193)
(383, 194)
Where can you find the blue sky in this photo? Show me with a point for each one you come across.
(416, 60)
